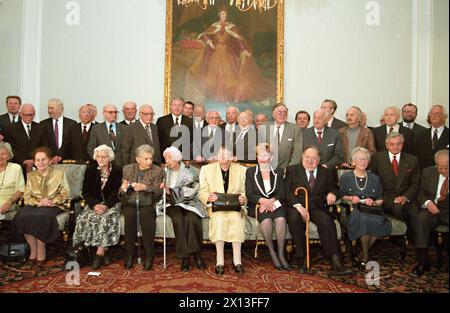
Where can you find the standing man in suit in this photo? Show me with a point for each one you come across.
(12, 116)
(183, 130)
(25, 136)
(230, 127)
(260, 119)
(108, 133)
(400, 175)
(144, 131)
(212, 137)
(59, 131)
(330, 106)
(83, 130)
(434, 138)
(433, 201)
(285, 138)
(327, 139)
(409, 115)
(129, 110)
(199, 117)
(391, 118)
(322, 191)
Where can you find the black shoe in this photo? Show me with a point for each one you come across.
(107, 258)
(238, 268)
(129, 262)
(199, 262)
(220, 270)
(148, 262)
(420, 269)
(98, 262)
(185, 264)
(301, 266)
(337, 268)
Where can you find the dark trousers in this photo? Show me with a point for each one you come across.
(424, 224)
(406, 213)
(325, 226)
(147, 219)
(188, 231)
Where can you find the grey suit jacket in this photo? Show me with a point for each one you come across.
(99, 135)
(331, 150)
(135, 136)
(291, 144)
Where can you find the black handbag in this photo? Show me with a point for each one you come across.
(14, 251)
(374, 210)
(226, 202)
(81, 254)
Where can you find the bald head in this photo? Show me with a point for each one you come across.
(320, 118)
(129, 110)
(110, 113)
(27, 113)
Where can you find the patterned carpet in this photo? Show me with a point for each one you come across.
(260, 276)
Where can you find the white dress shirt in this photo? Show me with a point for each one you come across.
(396, 127)
(438, 191)
(440, 130)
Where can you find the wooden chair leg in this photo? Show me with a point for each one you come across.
(404, 248)
(440, 242)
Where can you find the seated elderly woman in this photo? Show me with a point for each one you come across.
(184, 208)
(139, 192)
(224, 226)
(46, 192)
(364, 190)
(12, 182)
(98, 224)
(265, 187)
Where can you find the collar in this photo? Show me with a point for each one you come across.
(263, 190)
(391, 156)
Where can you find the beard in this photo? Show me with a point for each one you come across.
(409, 120)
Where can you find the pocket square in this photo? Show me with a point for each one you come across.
(330, 144)
(290, 139)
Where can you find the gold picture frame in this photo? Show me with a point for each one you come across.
(259, 38)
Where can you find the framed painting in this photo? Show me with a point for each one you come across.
(219, 55)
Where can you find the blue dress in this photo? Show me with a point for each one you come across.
(361, 223)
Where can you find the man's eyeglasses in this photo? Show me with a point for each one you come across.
(147, 114)
(28, 114)
(112, 112)
(442, 167)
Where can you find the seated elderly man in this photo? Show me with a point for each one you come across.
(400, 175)
(433, 201)
(322, 191)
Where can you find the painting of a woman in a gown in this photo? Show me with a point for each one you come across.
(225, 71)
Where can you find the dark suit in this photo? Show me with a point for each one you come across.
(135, 136)
(5, 122)
(22, 146)
(165, 124)
(424, 147)
(338, 124)
(331, 150)
(147, 214)
(425, 222)
(416, 129)
(65, 150)
(254, 187)
(99, 135)
(405, 184)
(203, 145)
(380, 134)
(79, 143)
(318, 211)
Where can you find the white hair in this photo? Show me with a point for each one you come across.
(108, 150)
(174, 153)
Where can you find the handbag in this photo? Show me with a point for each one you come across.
(374, 210)
(14, 251)
(81, 254)
(226, 202)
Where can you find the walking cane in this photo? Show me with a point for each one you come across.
(297, 190)
(138, 222)
(164, 216)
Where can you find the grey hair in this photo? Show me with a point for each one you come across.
(7, 147)
(209, 113)
(144, 149)
(394, 135)
(234, 107)
(174, 153)
(443, 152)
(360, 150)
(178, 98)
(396, 109)
(58, 101)
(104, 148)
(357, 109)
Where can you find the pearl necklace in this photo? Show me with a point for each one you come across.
(356, 182)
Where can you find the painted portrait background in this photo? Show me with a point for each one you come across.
(225, 62)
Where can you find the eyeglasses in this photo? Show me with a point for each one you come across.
(112, 112)
(360, 159)
(442, 167)
(147, 114)
(29, 115)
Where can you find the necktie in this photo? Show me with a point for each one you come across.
(444, 189)
(395, 165)
(391, 129)
(28, 131)
(319, 137)
(435, 139)
(14, 119)
(149, 132)
(410, 125)
(311, 180)
(176, 121)
(112, 136)
(85, 134)
(277, 134)
(56, 134)
(211, 134)
(211, 142)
